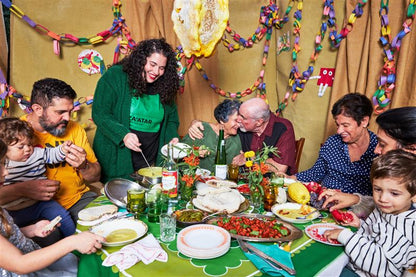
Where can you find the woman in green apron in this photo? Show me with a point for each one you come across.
(134, 109)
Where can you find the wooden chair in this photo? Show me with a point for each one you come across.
(299, 147)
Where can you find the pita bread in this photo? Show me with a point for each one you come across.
(97, 212)
(221, 183)
(219, 200)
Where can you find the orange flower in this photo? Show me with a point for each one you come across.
(188, 179)
(264, 168)
(192, 160)
(256, 167)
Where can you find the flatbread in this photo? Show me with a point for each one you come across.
(221, 200)
(97, 212)
(221, 183)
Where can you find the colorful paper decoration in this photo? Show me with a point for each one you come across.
(91, 62)
(199, 25)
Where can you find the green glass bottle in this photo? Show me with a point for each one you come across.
(221, 157)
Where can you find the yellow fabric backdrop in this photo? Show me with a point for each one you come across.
(32, 58)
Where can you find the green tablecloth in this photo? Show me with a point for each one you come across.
(309, 258)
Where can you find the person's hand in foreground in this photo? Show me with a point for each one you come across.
(339, 199)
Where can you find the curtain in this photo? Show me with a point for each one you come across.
(360, 58)
(3, 46)
(152, 19)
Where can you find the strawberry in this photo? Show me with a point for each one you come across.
(342, 217)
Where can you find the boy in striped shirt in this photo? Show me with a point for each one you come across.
(385, 243)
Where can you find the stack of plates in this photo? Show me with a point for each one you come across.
(203, 241)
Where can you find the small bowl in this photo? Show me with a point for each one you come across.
(116, 190)
(144, 179)
(182, 223)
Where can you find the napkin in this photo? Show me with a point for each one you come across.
(275, 252)
(146, 250)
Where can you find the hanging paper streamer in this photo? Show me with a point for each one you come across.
(118, 28)
(90, 61)
(387, 80)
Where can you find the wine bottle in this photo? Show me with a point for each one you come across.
(170, 176)
(221, 157)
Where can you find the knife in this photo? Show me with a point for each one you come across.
(246, 247)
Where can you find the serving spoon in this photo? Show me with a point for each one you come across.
(308, 214)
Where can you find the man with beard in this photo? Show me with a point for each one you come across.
(259, 125)
(52, 104)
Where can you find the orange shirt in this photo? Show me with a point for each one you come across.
(72, 184)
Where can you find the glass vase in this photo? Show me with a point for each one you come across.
(186, 193)
(256, 199)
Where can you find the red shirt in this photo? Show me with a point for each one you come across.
(279, 132)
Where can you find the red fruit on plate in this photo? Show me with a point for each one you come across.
(314, 187)
(342, 217)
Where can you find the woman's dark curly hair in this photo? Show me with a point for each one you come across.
(168, 84)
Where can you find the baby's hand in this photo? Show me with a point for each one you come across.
(66, 145)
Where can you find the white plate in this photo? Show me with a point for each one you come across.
(179, 150)
(204, 173)
(203, 241)
(277, 207)
(105, 228)
(316, 231)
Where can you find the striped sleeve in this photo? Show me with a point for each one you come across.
(384, 245)
(53, 155)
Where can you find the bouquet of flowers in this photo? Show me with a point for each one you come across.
(188, 171)
(257, 165)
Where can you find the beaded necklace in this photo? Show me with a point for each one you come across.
(387, 80)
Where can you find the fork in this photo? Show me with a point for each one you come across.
(308, 214)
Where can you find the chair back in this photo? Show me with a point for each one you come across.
(299, 147)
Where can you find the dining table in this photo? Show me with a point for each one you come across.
(309, 257)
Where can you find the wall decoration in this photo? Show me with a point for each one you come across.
(119, 28)
(387, 81)
(325, 79)
(91, 62)
(199, 25)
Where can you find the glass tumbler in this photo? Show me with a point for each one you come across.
(167, 227)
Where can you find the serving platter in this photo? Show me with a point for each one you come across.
(316, 231)
(116, 190)
(106, 228)
(292, 206)
(295, 232)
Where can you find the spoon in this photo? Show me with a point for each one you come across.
(205, 217)
(306, 215)
(151, 169)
